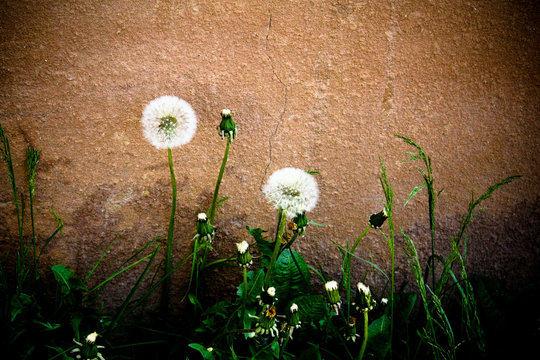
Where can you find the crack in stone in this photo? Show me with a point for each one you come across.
(284, 107)
(389, 94)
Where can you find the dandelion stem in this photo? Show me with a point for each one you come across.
(212, 211)
(282, 220)
(366, 334)
(167, 283)
(244, 295)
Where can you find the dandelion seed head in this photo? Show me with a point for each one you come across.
(293, 190)
(168, 122)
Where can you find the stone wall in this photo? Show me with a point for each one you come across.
(319, 85)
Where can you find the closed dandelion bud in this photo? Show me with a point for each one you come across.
(243, 257)
(205, 230)
(363, 298)
(268, 297)
(378, 219)
(332, 293)
(301, 222)
(227, 127)
(294, 317)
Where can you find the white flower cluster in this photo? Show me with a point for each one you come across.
(168, 122)
(293, 190)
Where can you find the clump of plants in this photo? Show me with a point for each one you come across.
(277, 312)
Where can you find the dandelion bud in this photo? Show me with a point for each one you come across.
(243, 257)
(91, 338)
(301, 222)
(294, 317)
(364, 302)
(227, 127)
(205, 230)
(378, 219)
(332, 292)
(268, 297)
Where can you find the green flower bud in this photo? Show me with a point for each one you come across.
(268, 297)
(301, 222)
(205, 230)
(243, 257)
(332, 292)
(294, 317)
(227, 127)
(363, 302)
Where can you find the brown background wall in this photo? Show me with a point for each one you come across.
(320, 85)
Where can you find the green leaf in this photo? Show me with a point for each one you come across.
(204, 351)
(255, 285)
(310, 307)
(19, 303)
(379, 337)
(266, 248)
(314, 223)
(414, 192)
(312, 353)
(290, 276)
(47, 325)
(63, 276)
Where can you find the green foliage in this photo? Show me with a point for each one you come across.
(450, 321)
(291, 276)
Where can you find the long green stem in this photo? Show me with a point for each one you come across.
(348, 258)
(366, 334)
(167, 283)
(244, 295)
(212, 211)
(282, 220)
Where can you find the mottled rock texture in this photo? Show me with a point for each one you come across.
(320, 85)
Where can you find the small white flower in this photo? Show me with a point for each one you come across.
(201, 217)
(363, 288)
(331, 285)
(271, 291)
(242, 247)
(91, 338)
(168, 122)
(293, 190)
(210, 349)
(225, 112)
(384, 301)
(294, 308)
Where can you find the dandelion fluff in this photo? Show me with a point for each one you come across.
(294, 190)
(168, 122)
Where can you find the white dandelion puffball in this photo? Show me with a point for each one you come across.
(294, 190)
(168, 122)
